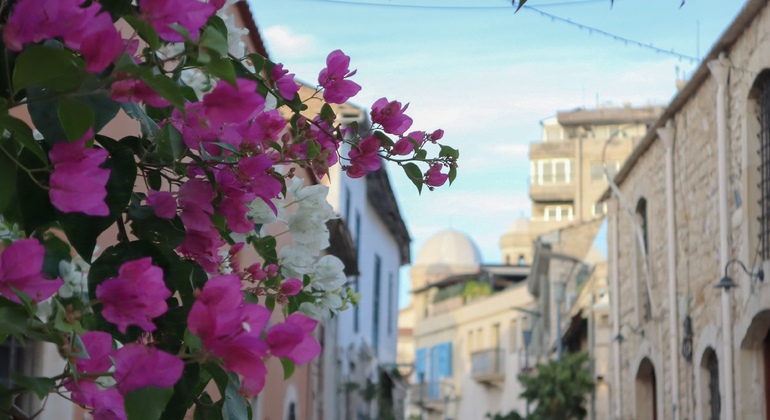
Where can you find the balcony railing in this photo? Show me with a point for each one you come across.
(425, 392)
(488, 366)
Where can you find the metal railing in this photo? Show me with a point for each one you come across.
(489, 362)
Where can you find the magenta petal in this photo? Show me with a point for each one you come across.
(138, 366)
(21, 264)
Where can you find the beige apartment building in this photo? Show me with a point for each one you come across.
(567, 170)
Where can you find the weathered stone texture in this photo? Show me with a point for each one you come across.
(697, 245)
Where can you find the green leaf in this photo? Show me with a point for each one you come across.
(147, 403)
(170, 145)
(44, 112)
(41, 386)
(207, 409)
(149, 127)
(13, 318)
(521, 3)
(270, 303)
(421, 154)
(222, 68)
(145, 30)
(258, 62)
(186, 390)
(34, 205)
(414, 174)
(449, 151)
(213, 40)
(327, 113)
(192, 341)
(76, 117)
(47, 67)
(235, 406)
(313, 148)
(7, 174)
(83, 230)
(386, 141)
(265, 247)
(22, 134)
(166, 88)
(452, 174)
(288, 367)
(219, 24)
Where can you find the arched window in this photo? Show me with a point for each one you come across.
(759, 130)
(642, 256)
(646, 392)
(711, 398)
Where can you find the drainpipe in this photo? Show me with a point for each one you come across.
(666, 135)
(720, 70)
(615, 301)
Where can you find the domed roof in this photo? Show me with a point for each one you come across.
(449, 248)
(520, 225)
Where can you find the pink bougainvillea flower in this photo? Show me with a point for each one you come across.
(290, 286)
(77, 182)
(293, 339)
(162, 203)
(136, 296)
(21, 264)
(284, 81)
(134, 90)
(231, 329)
(102, 43)
(227, 104)
(202, 246)
(83, 29)
(337, 90)
(191, 14)
(138, 366)
(235, 212)
(98, 345)
(390, 115)
(364, 157)
(434, 177)
(406, 145)
(106, 403)
(264, 185)
(436, 135)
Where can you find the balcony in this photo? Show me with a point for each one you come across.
(552, 192)
(551, 150)
(429, 395)
(488, 366)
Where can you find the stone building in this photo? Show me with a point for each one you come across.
(691, 209)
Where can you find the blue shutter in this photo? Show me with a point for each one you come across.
(420, 362)
(448, 358)
(433, 386)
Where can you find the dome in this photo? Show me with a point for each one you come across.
(520, 225)
(450, 249)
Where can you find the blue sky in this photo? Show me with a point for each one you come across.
(487, 76)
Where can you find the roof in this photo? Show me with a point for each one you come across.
(727, 40)
(380, 195)
(244, 11)
(451, 249)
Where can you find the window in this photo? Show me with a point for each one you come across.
(391, 308)
(709, 373)
(513, 336)
(347, 204)
(551, 171)
(643, 304)
(495, 336)
(764, 167)
(376, 307)
(599, 209)
(597, 170)
(562, 212)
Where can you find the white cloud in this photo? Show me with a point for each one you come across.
(286, 44)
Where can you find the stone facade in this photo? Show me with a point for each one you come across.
(642, 303)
